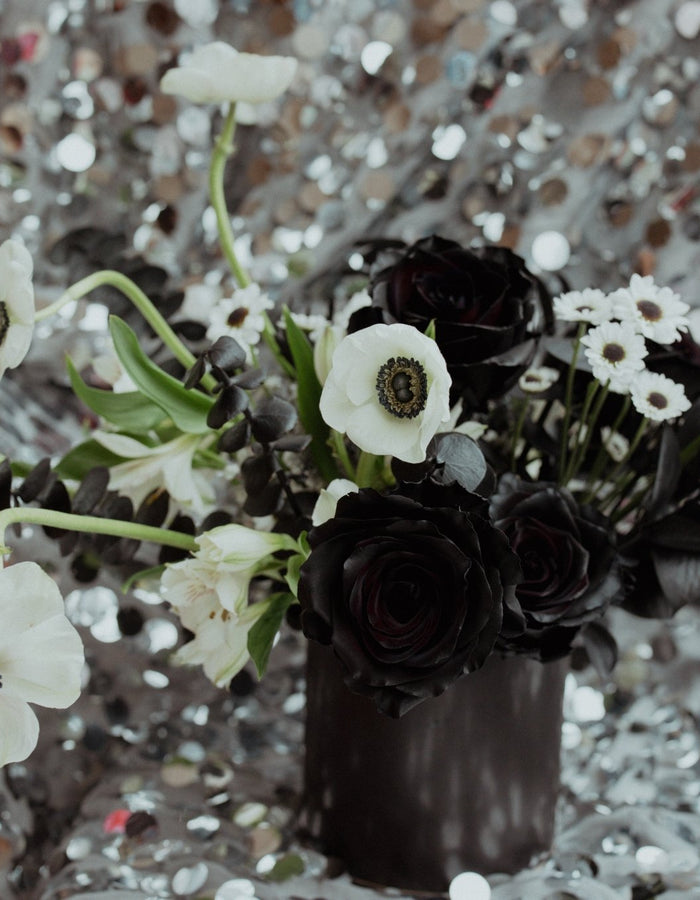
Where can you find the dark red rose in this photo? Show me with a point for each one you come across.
(487, 307)
(408, 590)
(568, 562)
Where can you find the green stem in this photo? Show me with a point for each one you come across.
(590, 426)
(341, 451)
(572, 466)
(366, 469)
(595, 482)
(92, 525)
(223, 149)
(520, 421)
(568, 397)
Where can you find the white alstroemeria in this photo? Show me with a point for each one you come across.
(41, 656)
(240, 317)
(615, 352)
(166, 466)
(216, 73)
(220, 643)
(388, 390)
(616, 444)
(589, 305)
(324, 348)
(328, 499)
(658, 312)
(658, 397)
(538, 380)
(16, 304)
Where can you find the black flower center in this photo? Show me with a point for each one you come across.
(237, 317)
(4, 322)
(657, 400)
(613, 353)
(651, 311)
(402, 387)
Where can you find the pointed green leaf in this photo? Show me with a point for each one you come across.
(79, 460)
(262, 635)
(187, 408)
(127, 410)
(308, 398)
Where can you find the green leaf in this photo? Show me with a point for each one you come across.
(128, 410)
(308, 398)
(142, 575)
(294, 563)
(79, 460)
(187, 408)
(262, 634)
(287, 866)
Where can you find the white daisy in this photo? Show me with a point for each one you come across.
(658, 397)
(388, 390)
(615, 352)
(16, 304)
(589, 305)
(658, 312)
(537, 380)
(328, 499)
(240, 317)
(216, 73)
(41, 656)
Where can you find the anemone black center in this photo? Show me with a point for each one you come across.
(237, 317)
(402, 387)
(4, 322)
(614, 353)
(651, 311)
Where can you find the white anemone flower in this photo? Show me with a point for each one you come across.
(41, 656)
(217, 73)
(589, 305)
(16, 304)
(240, 317)
(328, 499)
(658, 312)
(658, 397)
(166, 466)
(615, 352)
(388, 390)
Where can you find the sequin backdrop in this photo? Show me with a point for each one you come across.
(567, 131)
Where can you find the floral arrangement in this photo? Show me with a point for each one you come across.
(455, 464)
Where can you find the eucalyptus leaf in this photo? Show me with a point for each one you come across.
(130, 410)
(262, 635)
(187, 408)
(462, 460)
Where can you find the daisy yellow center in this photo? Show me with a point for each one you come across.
(402, 387)
(649, 310)
(4, 322)
(613, 353)
(657, 400)
(237, 317)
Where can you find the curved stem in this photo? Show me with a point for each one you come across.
(341, 451)
(568, 397)
(92, 525)
(223, 148)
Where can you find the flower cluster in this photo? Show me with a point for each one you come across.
(454, 464)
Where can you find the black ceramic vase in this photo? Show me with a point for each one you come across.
(467, 781)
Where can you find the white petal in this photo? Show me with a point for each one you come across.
(124, 446)
(12, 251)
(19, 730)
(196, 86)
(27, 596)
(15, 346)
(377, 431)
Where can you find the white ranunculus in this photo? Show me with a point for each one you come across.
(41, 656)
(328, 499)
(16, 304)
(388, 390)
(216, 73)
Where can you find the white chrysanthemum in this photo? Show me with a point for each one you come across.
(313, 324)
(615, 443)
(615, 352)
(658, 397)
(388, 390)
(168, 466)
(589, 305)
(216, 73)
(359, 300)
(328, 499)
(41, 656)
(538, 380)
(16, 304)
(240, 317)
(658, 312)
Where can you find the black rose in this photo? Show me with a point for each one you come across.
(487, 308)
(568, 562)
(408, 590)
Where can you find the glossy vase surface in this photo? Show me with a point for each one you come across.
(467, 781)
